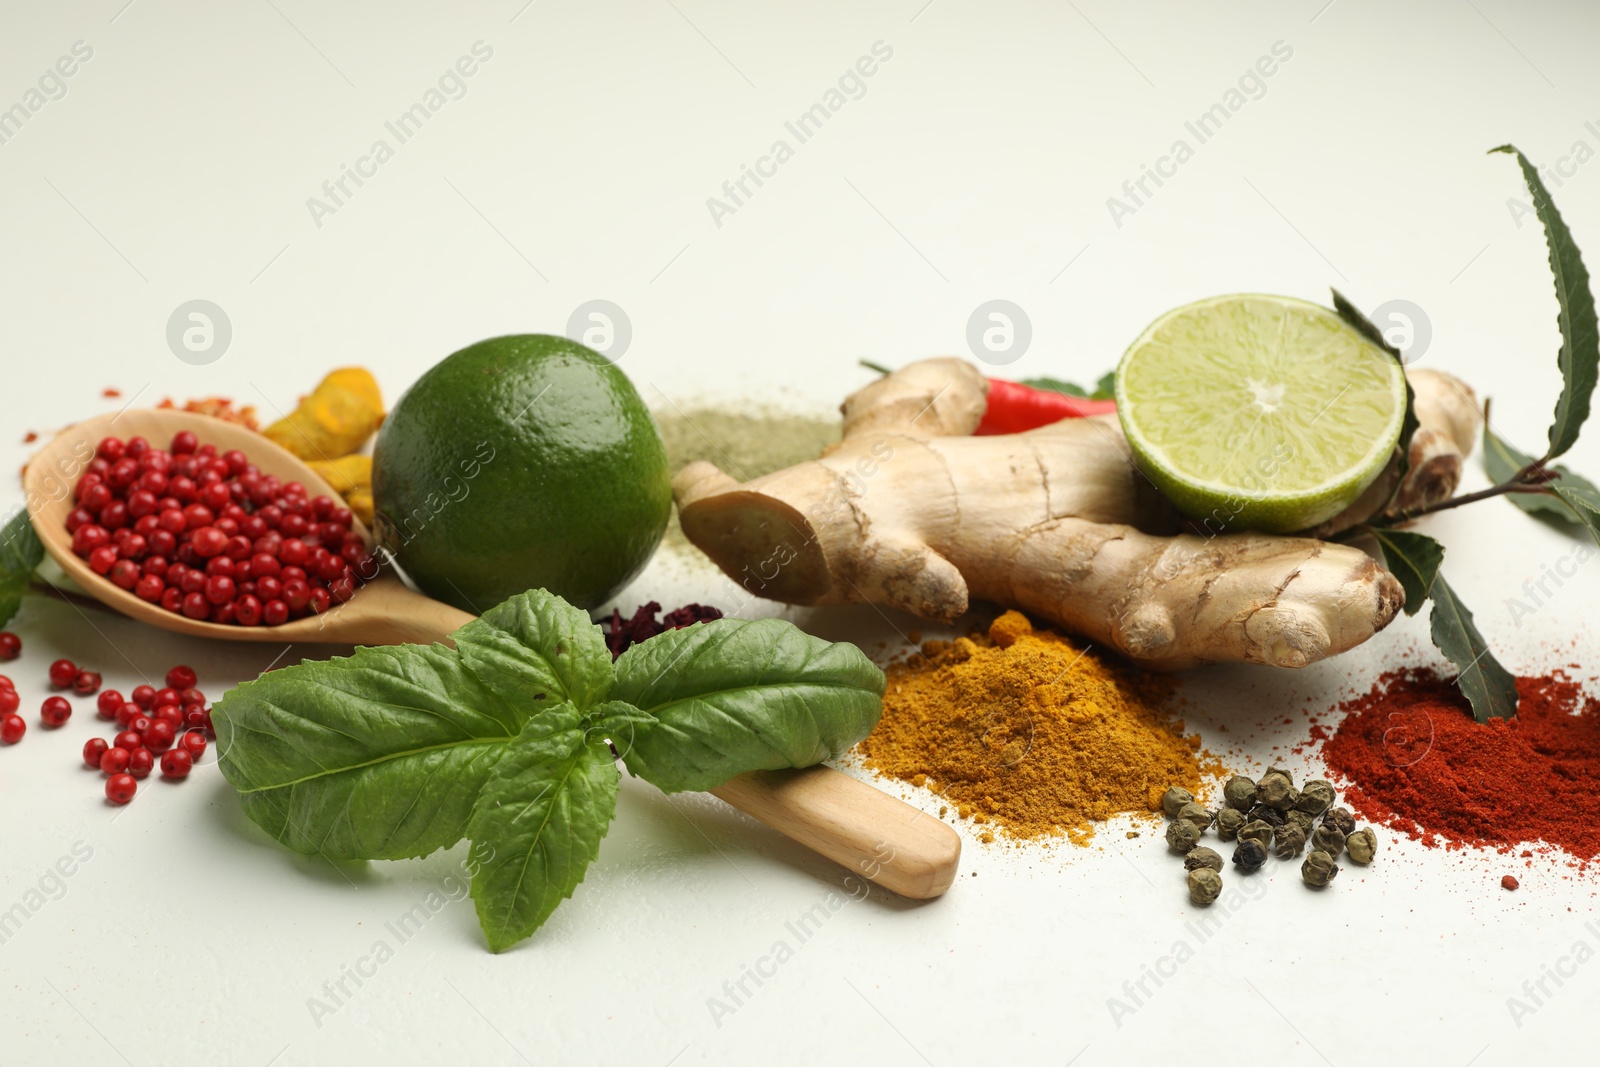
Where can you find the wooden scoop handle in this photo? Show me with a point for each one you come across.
(881, 837)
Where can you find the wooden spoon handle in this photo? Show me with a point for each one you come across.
(882, 837)
(411, 619)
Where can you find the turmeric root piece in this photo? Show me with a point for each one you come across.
(339, 416)
(350, 477)
(909, 512)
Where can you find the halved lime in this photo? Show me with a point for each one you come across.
(1259, 412)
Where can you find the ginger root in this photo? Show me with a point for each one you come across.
(911, 512)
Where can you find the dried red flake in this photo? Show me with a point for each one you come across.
(1418, 763)
(622, 633)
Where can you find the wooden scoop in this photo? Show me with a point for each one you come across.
(884, 839)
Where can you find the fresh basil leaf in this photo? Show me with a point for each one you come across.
(380, 755)
(619, 722)
(20, 554)
(1414, 559)
(1489, 687)
(1502, 462)
(1408, 423)
(540, 818)
(734, 695)
(1579, 358)
(537, 650)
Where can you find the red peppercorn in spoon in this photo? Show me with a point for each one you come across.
(185, 529)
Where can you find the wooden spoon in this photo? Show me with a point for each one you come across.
(884, 839)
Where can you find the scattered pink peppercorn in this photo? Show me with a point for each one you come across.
(194, 742)
(176, 763)
(120, 788)
(159, 736)
(12, 728)
(93, 750)
(10, 645)
(63, 672)
(55, 711)
(140, 762)
(108, 703)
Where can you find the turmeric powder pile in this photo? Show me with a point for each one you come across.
(1026, 731)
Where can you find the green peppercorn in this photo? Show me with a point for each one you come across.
(1173, 800)
(1203, 857)
(1319, 869)
(1265, 814)
(1240, 793)
(1327, 839)
(1288, 842)
(1315, 797)
(1341, 820)
(1257, 830)
(1278, 772)
(1182, 835)
(1205, 885)
(1229, 820)
(1250, 854)
(1296, 817)
(1276, 792)
(1197, 815)
(1362, 846)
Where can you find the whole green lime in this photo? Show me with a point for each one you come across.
(518, 463)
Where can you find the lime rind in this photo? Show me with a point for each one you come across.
(1257, 411)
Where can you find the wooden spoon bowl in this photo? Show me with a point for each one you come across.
(383, 611)
(883, 839)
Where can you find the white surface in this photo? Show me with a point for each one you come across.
(577, 166)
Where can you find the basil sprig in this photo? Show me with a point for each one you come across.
(20, 555)
(507, 739)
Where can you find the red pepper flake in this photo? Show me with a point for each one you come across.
(29, 438)
(110, 392)
(1509, 882)
(622, 633)
(1418, 763)
(216, 407)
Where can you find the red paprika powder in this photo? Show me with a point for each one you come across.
(1418, 763)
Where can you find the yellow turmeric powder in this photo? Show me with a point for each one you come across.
(344, 410)
(1031, 733)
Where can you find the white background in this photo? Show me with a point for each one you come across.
(577, 166)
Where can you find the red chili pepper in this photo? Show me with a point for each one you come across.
(1014, 408)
